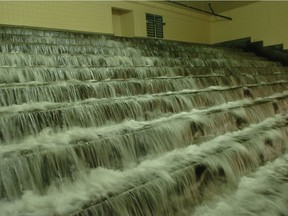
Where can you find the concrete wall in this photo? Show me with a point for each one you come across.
(267, 21)
(74, 15)
(95, 16)
(181, 24)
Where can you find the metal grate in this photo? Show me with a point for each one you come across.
(154, 25)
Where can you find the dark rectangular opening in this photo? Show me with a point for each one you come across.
(154, 24)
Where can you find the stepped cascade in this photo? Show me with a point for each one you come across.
(95, 124)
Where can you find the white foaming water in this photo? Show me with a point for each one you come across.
(99, 183)
(51, 138)
(93, 112)
(100, 125)
(264, 193)
(46, 105)
(40, 106)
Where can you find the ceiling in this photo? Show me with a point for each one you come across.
(218, 6)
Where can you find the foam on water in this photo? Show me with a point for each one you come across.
(264, 193)
(103, 125)
(100, 182)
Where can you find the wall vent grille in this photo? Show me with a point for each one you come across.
(154, 25)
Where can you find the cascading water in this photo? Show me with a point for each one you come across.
(101, 125)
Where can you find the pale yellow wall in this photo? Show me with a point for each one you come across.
(116, 23)
(181, 24)
(82, 16)
(127, 24)
(96, 16)
(123, 22)
(267, 21)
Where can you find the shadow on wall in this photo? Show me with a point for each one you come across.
(273, 53)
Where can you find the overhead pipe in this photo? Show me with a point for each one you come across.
(210, 6)
(200, 10)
